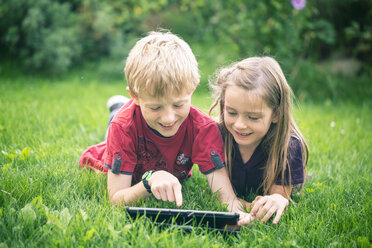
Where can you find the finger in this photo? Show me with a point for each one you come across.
(177, 190)
(169, 192)
(156, 193)
(269, 213)
(263, 210)
(278, 216)
(245, 220)
(256, 199)
(163, 193)
(258, 205)
(247, 205)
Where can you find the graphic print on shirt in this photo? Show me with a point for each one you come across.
(147, 151)
(182, 162)
(148, 158)
(182, 159)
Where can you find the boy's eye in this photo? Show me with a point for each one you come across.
(253, 118)
(177, 105)
(154, 108)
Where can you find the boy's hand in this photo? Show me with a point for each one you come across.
(166, 187)
(265, 206)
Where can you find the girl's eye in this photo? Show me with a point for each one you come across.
(253, 118)
(155, 108)
(177, 105)
(231, 113)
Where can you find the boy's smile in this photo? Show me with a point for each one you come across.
(165, 114)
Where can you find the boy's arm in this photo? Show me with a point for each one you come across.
(163, 185)
(120, 189)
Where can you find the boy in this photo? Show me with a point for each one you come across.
(154, 139)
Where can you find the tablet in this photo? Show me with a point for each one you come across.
(210, 219)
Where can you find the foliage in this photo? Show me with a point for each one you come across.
(43, 33)
(254, 27)
(53, 36)
(352, 28)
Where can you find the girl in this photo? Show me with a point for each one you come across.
(265, 151)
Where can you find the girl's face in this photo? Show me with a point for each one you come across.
(247, 117)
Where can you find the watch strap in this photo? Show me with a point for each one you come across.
(145, 179)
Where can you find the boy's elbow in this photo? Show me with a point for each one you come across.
(112, 198)
(115, 200)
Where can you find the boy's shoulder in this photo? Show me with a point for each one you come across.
(125, 117)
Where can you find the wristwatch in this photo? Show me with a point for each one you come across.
(145, 179)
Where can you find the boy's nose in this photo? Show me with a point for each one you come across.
(168, 117)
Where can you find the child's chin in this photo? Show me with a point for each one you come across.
(168, 133)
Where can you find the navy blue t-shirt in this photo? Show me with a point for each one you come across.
(248, 177)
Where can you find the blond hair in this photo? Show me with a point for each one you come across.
(265, 75)
(161, 63)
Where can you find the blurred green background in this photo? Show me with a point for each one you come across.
(325, 48)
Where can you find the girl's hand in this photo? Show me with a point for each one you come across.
(245, 219)
(265, 206)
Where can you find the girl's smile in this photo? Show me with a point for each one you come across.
(243, 135)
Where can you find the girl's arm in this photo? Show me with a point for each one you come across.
(219, 181)
(164, 186)
(265, 206)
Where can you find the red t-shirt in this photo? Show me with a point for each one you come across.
(132, 148)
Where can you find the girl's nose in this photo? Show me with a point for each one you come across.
(240, 123)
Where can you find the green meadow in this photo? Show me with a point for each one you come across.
(47, 200)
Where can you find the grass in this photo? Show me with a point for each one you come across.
(46, 200)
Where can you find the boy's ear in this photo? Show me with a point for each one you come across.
(196, 85)
(134, 97)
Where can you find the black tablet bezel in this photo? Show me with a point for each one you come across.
(210, 219)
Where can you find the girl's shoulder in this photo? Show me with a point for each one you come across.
(295, 148)
(295, 142)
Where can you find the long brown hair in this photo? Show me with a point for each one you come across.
(262, 73)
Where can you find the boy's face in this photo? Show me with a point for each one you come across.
(165, 114)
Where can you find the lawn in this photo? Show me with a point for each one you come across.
(46, 200)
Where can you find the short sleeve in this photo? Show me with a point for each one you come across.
(295, 161)
(120, 156)
(207, 151)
